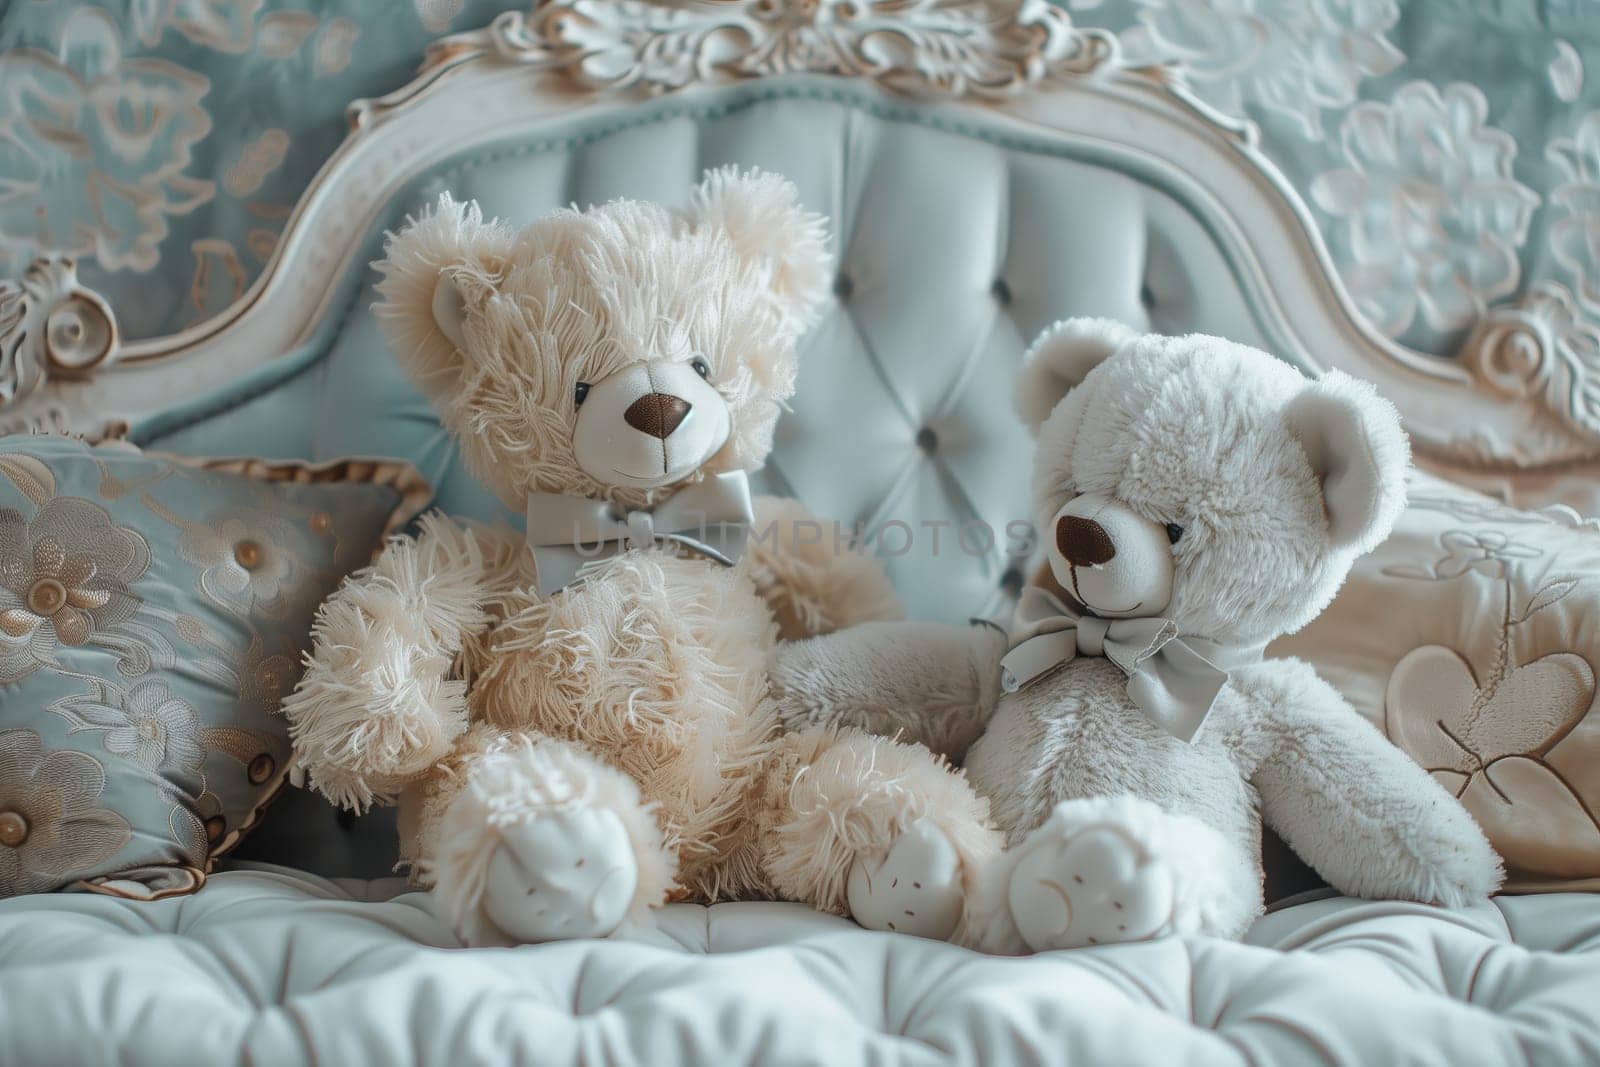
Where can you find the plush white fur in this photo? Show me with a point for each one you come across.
(545, 751)
(1277, 483)
(921, 680)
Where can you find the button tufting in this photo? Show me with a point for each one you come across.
(261, 768)
(1147, 296)
(1001, 291)
(1011, 580)
(843, 286)
(928, 440)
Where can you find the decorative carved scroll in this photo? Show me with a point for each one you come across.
(952, 48)
(51, 327)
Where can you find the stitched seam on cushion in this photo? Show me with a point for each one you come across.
(335, 326)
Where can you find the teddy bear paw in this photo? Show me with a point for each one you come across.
(1088, 884)
(559, 876)
(914, 887)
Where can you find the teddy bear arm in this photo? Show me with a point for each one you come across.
(813, 577)
(1351, 804)
(921, 681)
(381, 700)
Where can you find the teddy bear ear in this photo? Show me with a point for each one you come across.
(762, 216)
(1359, 453)
(1060, 359)
(436, 269)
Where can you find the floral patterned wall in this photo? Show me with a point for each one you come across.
(1449, 149)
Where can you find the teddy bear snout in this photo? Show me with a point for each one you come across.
(1083, 542)
(657, 414)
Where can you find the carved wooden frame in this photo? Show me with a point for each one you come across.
(1516, 412)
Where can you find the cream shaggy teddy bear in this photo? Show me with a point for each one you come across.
(577, 725)
(1197, 499)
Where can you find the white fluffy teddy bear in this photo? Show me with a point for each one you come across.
(1197, 499)
(578, 725)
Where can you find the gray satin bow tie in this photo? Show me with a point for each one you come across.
(1174, 680)
(569, 533)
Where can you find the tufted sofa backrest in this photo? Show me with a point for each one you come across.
(956, 241)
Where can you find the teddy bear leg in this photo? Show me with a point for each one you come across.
(881, 830)
(542, 841)
(1104, 870)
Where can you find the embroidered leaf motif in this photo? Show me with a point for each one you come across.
(31, 476)
(237, 744)
(1547, 595)
(1409, 570)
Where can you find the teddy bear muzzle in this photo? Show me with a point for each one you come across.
(649, 424)
(1113, 561)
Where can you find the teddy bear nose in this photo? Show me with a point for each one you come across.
(1084, 542)
(657, 414)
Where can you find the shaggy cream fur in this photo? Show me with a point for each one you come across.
(620, 733)
(1267, 486)
(578, 295)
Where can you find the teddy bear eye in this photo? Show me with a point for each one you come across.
(1174, 532)
(701, 367)
(580, 394)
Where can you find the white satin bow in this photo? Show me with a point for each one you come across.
(569, 533)
(1174, 680)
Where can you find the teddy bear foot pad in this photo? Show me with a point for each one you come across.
(566, 874)
(1088, 883)
(914, 888)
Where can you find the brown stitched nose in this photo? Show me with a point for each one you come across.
(1084, 542)
(657, 414)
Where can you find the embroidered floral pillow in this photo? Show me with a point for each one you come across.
(153, 611)
(1472, 637)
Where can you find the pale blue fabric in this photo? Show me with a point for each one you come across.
(152, 618)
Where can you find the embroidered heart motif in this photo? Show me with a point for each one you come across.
(1486, 747)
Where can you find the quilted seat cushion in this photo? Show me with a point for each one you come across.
(277, 966)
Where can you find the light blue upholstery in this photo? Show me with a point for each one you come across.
(955, 244)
